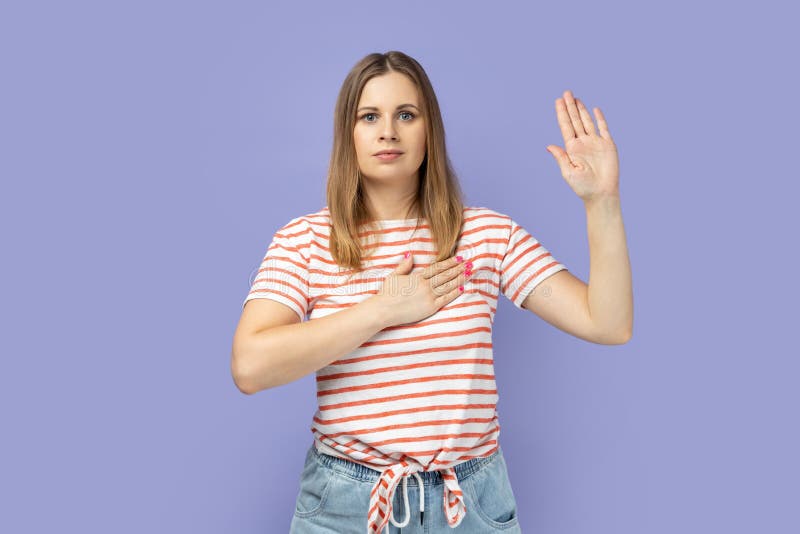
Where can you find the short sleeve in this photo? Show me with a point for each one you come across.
(525, 264)
(283, 273)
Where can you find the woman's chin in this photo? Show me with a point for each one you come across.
(388, 175)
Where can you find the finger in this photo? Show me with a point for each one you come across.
(450, 295)
(588, 125)
(562, 158)
(438, 267)
(602, 125)
(574, 116)
(447, 286)
(563, 121)
(449, 274)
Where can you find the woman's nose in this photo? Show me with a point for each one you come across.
(388, 131)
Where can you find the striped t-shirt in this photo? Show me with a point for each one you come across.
(419, 396)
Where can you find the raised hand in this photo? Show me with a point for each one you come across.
(590, 164)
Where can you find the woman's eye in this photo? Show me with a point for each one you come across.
(366, 115)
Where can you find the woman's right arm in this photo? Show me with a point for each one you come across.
(280, 349)
(278, 355)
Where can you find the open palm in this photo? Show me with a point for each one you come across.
(590, 163)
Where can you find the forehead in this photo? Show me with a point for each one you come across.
(388, 90)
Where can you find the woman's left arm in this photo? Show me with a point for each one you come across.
(601, 311)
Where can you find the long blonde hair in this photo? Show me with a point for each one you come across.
(439, 198)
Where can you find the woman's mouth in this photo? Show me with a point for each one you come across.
(388, 156)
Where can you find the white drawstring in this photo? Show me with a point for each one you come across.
(405, 501)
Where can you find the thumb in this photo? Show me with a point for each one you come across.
(561, 157)
(405, 265)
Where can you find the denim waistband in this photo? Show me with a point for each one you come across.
(361, 472)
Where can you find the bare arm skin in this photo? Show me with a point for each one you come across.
(266, 358)
(602, 311)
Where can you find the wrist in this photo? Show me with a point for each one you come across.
(377, 312)
(608, 200)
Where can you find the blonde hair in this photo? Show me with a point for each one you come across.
(439, 198)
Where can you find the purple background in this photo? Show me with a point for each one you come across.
(150, 150)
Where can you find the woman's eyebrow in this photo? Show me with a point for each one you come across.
(398, 107)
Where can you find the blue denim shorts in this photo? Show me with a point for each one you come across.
(334, 498)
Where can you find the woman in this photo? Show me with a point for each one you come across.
(400, 283)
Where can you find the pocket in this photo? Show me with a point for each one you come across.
(315, 483)
(491, 495)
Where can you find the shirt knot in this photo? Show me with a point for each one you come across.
(382, 496)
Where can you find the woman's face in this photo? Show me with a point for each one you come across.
(389, 116)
